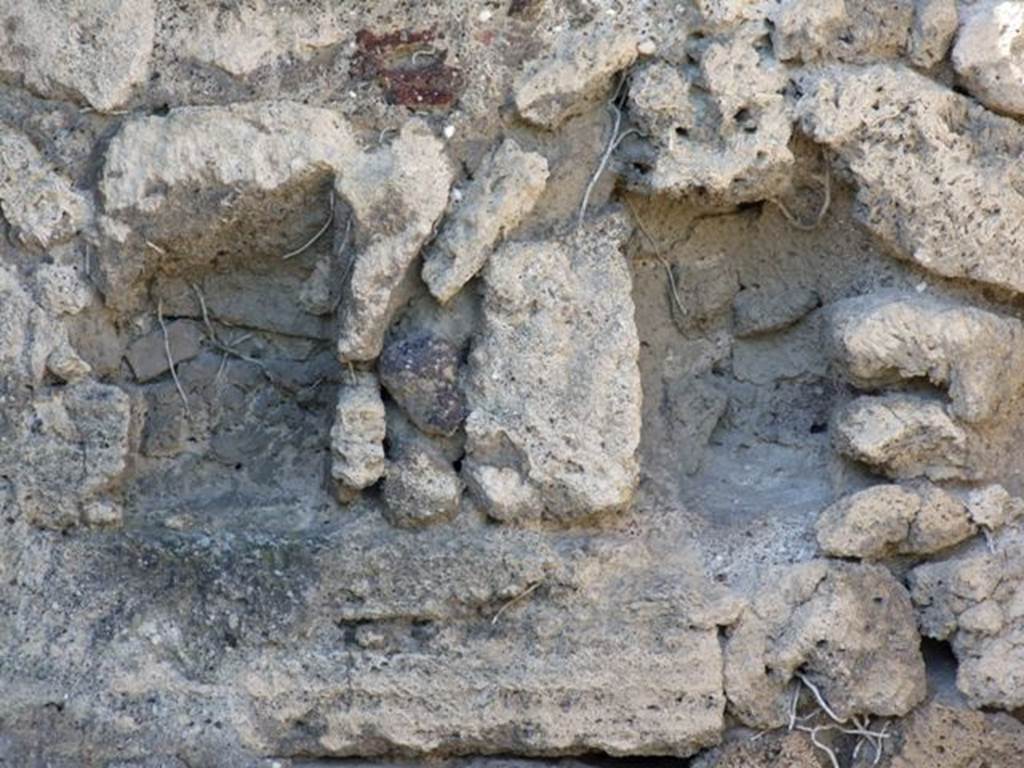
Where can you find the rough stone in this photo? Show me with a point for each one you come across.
(504, 190)
(759, 310)
(887, 520)
(992, 506)
(397, 196)
(849, 628)
(942, 736)
(935, 23)
(903, 436)
(40, 205)
(554, 388)
(92, 51)
(726, 139)
(925, 161)
(148, 355)
(974, 599)
(805, 30)
(880, 339)
(357, 437)
(581, 64)
(61, 290)
(989, 54)
(772, 750)
(421, 371)
(65, 451)
(421, 489)
(208, 182)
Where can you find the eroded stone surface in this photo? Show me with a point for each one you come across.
(39, 204)
(421, 488)
(973, 599)
(945, 736)
(92, 51)
(554, 390)
(357, 437)
(925, 161)
(850, 628)
(421, 372)
(989, 54)
(504, 190)
(903, 436)
(880, 339)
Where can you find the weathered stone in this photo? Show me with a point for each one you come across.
(582, 62)
(205, 183)
(166, 427)
(727, 139)
(61, 290)
(938, 735)
(397, 196)
(974, 599)
(357, 437)
(759, 310)
(782, 749)
(421, 372)
(989, 54)
(249, 36)
(65, 451)
(504, 190)
(925, 161)
(992, 506)
(40, 205)
(421, 489)
(935, 23)
(881, 339)
(92, 51)
(805, 29)
(849, 628)
(554, 389)
(148, 356)
(886, 520)
(903, 436)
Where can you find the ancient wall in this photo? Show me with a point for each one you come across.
(510, 383)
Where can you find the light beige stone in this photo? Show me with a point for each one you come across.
(989, 54)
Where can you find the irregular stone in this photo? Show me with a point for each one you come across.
(60, 289)
(942, 736)
(40, 205)
(65, 451)
(504, 190)
(903, 436)
(880, 339)
(781, 749)
(805, 29)
(992, 506)
(421, 372)
(727, 139)
(91, 51)
(397, 197)
(935, 23)
(659, 98)
(760, 310)
(32, 342)
(205, 183)
(974, 600)
(148, 355)
(357, 437)
(849, 628)
(249, 36)
(582, 62)
(989, 54)
(421, 489)
(554, 388)
(887, 520)
(924, 161)
(166, 427)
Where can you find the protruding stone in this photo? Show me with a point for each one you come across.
(881, 339)
(61, 289)
(903, 436)
(989, 54)
(888, 520)
(421, 489)
(925, 161)
(992, 506)
(397, 198)
(92, 51)
(148, 356)
(942, 736)
(421, 371)
(935, 23)
(504, 190)
(357, 437)
(805, 29)
(582, 63)
(554, 390)
(849, 628)
(39, 204)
